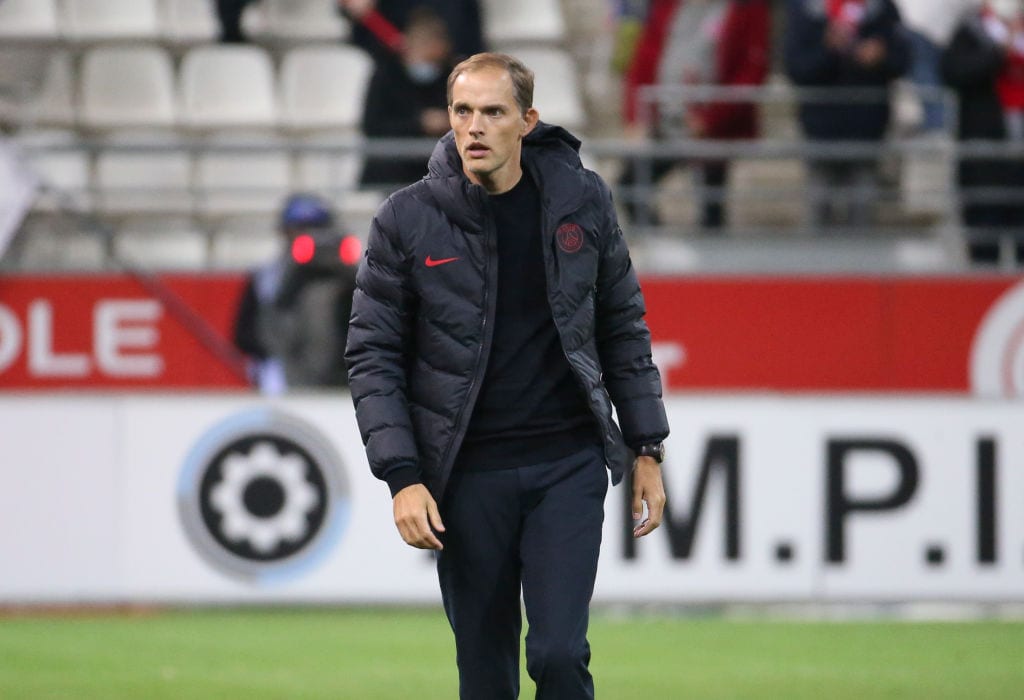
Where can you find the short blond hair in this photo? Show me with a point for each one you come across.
(522, 77)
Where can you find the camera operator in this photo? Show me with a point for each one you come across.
(292, 320)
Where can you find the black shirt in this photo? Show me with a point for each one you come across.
(530, 408)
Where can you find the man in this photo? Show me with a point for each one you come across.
(929, 27)
(852, 45)
(378, 25)
(406, 99)
(981, 63)
(695, 43)
(292, 318)
(496, 318)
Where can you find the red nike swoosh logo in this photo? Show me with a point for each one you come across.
(434, 263)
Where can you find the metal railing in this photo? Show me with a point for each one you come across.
(765, 198)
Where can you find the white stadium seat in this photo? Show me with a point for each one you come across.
(357, 209)
(129, 182)
(53, 103)
(242, 181)
(161, 244)
(324, 87)
(32, 20)
(62, 169)
(21, 72)
(189, 21)
(557, 86)
(322, 93)
(307, 20)
(329, 172)
(525, 21)
(127, 87)
(107, 20)
(228, 86)
(244, 243)
(48, 247)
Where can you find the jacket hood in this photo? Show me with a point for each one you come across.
(544, 147)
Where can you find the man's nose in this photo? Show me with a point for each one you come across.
(476, 124)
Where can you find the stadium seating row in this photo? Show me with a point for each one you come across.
(171, 20)
(237, 86)
(222, 175)
(126, 106)
(185, 21)
(166, 243)
(225, 134)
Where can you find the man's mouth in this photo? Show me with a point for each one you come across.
(476, 150)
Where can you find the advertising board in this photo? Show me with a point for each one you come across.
(231, 498)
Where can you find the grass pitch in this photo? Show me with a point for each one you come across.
(407, 654)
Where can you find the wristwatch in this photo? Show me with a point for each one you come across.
(655, 451)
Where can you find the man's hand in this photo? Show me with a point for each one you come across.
(416, 513)
(636, 132)
(870, 52)
(647, 488)
(696, 126)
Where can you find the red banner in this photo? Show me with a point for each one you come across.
(952, 334)
(119, 332)
(823, 334)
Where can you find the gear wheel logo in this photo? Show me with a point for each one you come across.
(262, 496)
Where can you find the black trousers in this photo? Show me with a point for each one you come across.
(538, 527)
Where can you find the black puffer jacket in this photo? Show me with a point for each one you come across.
(420, 332)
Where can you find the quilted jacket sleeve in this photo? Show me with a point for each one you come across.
(379, 340)
(623, 339)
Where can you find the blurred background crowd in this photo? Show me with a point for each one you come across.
(749, 120)
(738, 135)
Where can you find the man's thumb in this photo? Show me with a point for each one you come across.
(435, 516)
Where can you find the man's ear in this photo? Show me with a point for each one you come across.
(530, 119)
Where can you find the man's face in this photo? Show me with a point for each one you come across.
(489, 128)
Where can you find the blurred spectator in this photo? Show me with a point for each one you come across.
(406, 98)
(1011, 79)
(378, 25)
(627, 18)
(844, 44)
(694, 43)
(292, 320)
(987, 71)
(930, 25)
(229, 12)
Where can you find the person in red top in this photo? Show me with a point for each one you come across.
(1010, 88)
(694, 43)
(1010, 84)
(378, 26)
(979, 65)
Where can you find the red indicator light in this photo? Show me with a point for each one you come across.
(303, 248)
(350, 250)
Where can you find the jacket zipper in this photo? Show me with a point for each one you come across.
(480, 368)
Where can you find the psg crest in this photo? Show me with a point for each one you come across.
(570, 237)
(262, 496)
